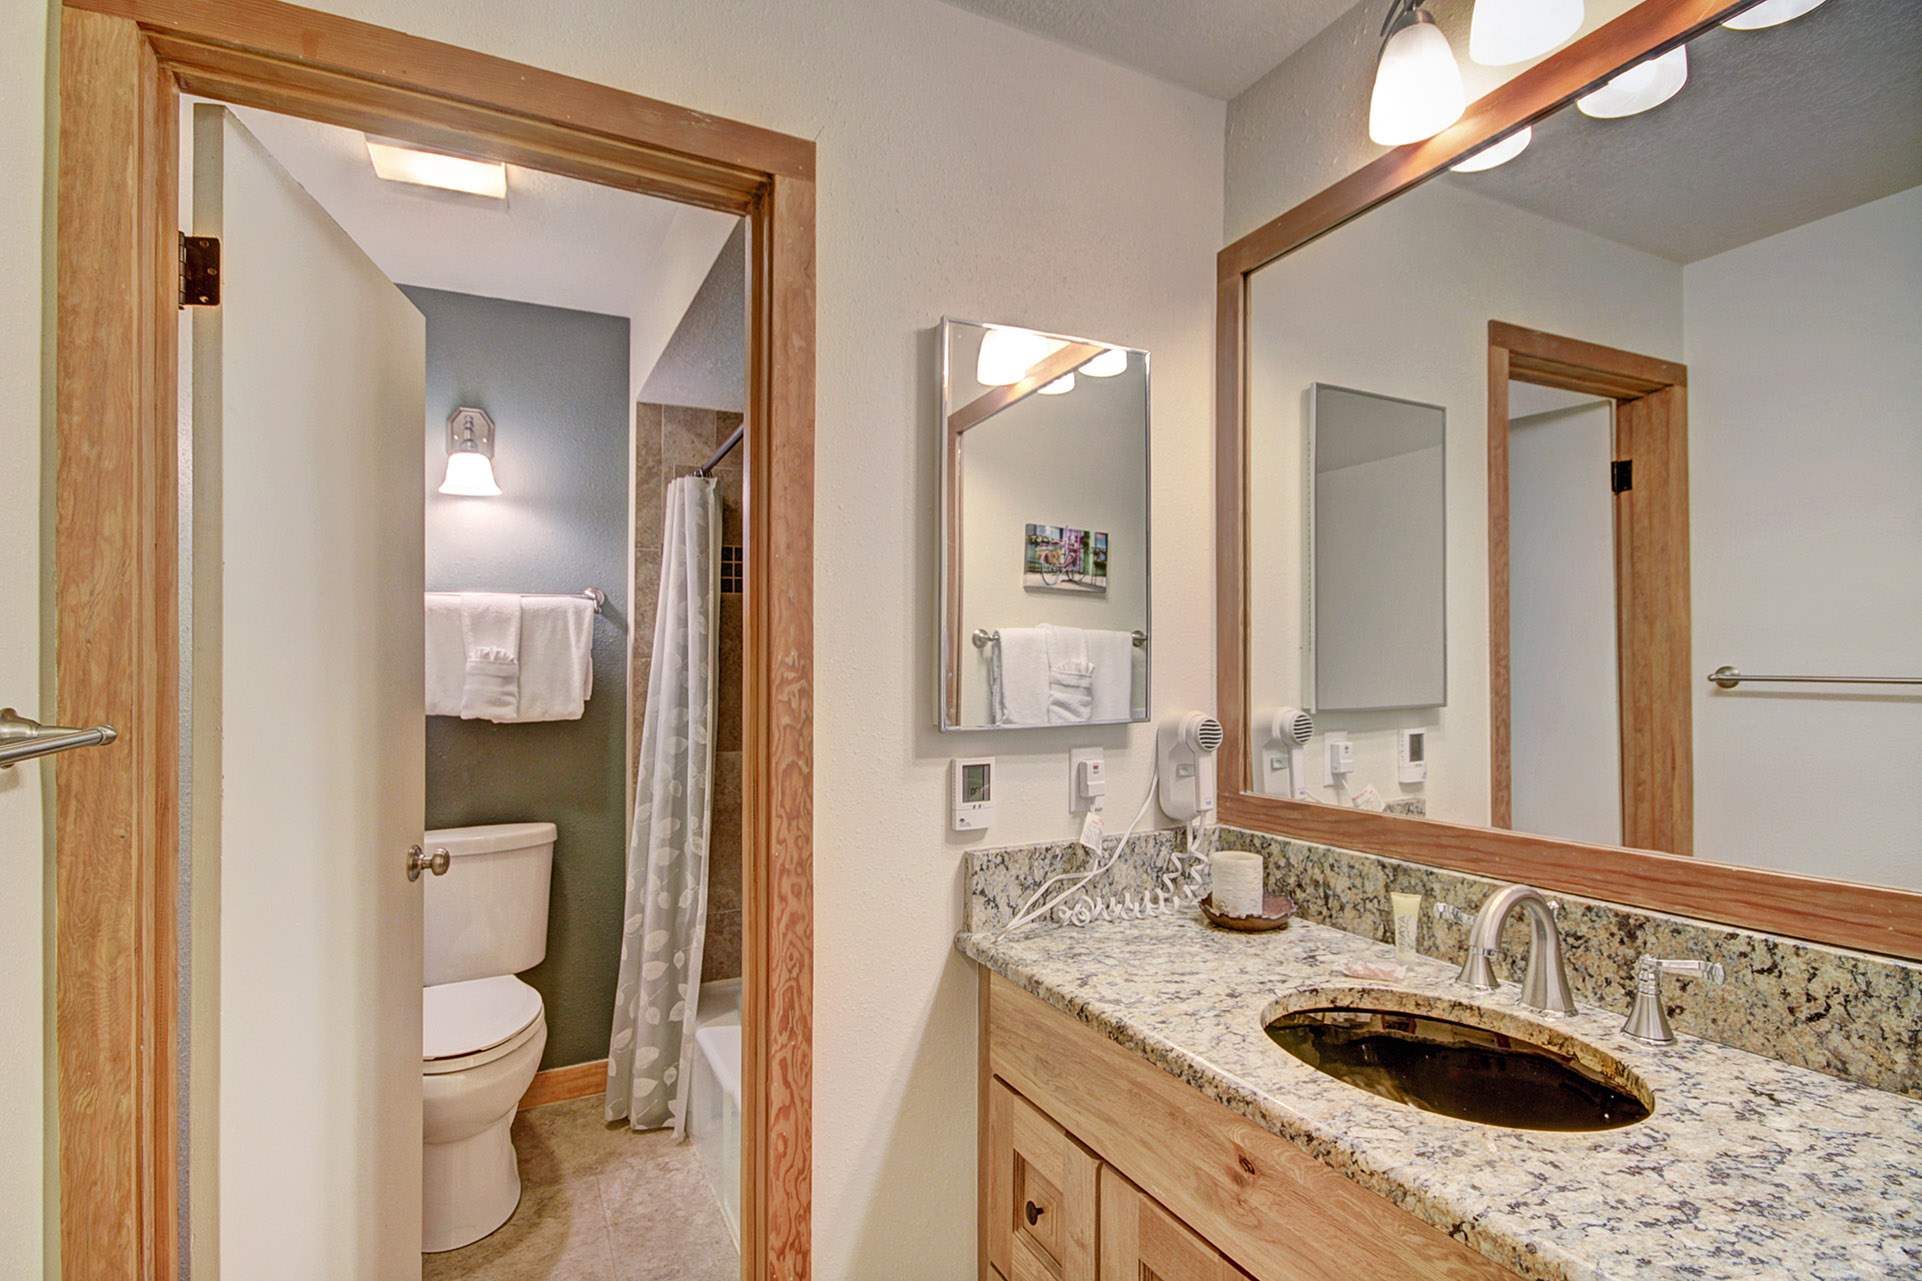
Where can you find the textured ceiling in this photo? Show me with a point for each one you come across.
(1774, 129)
(1219, 47)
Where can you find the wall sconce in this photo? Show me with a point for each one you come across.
(470, 453)
(1418, 85)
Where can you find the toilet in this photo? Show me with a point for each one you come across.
(482, 1029)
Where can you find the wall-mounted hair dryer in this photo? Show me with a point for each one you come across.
(1185, 747)
(1281, 766)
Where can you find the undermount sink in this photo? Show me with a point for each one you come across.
(1480, 1065)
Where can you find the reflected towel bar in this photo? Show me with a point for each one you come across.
(594, 594)
(983, 637)
(22, 739)
(1729, 678)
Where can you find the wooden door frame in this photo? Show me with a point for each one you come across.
(1650, 399)
(1871, 918)
(122, 63)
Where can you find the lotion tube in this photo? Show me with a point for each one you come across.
(1407, 909)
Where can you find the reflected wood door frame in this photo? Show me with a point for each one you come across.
(1650, 400)
(122, 65)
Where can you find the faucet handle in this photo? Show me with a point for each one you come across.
(1452, 914)
(1647, 1017)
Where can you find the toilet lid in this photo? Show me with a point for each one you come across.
(466, 1018)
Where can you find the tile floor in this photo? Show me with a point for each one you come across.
(599, 1203)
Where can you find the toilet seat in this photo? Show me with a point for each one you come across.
(476, 1021)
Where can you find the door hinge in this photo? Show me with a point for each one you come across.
(1621, 475)
(199, 271)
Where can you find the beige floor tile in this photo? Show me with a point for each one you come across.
(663, 1223)
(557, 1233)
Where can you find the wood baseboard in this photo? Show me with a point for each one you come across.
(558, 1085)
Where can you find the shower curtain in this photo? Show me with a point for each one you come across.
(655, 996)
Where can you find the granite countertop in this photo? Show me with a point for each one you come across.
(1748, 1168)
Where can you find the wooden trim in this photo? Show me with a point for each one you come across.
(115, 546)
(1650, 27)
(116, 808)
(1573, 365)
(1872, 918)
(1501, 772)
(562, 1084)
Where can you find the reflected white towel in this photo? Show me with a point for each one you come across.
(490, 628)
(556, 658)
(1113, 656)
(446, 655)
(1018, 677)
(1070, 676)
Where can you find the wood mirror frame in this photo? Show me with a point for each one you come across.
(1869, 918)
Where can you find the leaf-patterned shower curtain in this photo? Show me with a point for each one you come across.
(666, 917)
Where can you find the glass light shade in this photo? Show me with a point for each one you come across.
(397, 163)
(1008, 354)
(1645, 85)
(1418, 87)
(1770, 13)
(1109, 363)
(470, 474)
(1499, 154)
(1509, 31)
(1060, 386)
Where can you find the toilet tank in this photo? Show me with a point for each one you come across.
(488, 915)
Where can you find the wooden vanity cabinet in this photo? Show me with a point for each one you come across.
(1098, 1166)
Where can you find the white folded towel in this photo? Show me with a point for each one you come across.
(1113, 656)
(1070, 676)
(556, 657)
(446, 655)
(490, 627)
(1018, 677)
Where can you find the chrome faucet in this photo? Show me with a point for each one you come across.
(1647, 1017)
(1544, 982)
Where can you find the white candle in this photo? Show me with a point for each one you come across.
(1237, 875)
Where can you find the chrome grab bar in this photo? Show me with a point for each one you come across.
(984, 638)
(22, 739)
(1729, 678)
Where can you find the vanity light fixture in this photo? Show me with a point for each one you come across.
(1509, 31)
(1499, 154)
(470, 454)
(1109, 363)
(1008, 354)
(399, 162)
(1642, 86)
(1770, 13)
(1418, 86)
(1060, 386)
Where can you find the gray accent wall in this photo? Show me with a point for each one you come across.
(704, 365)
(555, 384)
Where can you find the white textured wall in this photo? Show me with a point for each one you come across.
(967, 169)
(1805, 498)
(24, 264)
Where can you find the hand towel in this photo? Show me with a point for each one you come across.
(490, 627)
(446, 654)
(1018, 677)
(556, 657)
(1070, 676)
(1113, 656)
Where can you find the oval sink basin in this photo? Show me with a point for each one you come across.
(1468, 1070)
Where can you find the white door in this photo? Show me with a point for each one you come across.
(308, 703)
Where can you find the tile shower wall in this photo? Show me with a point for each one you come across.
(687, 438)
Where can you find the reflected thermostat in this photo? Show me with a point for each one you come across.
(1411, 756)
(971, 793)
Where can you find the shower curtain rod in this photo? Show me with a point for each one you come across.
(727, 447)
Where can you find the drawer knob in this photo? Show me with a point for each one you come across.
(1034, 1212)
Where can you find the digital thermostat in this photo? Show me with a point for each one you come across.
(1411, 756)
(971, 793)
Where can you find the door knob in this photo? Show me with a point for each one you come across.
(418, 862)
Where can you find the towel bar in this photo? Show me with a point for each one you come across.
(22, 739)
(983, 637)
(1729, 678)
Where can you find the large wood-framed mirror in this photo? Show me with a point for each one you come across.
(1668, 350)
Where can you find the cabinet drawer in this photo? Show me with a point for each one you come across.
(1041, 1201)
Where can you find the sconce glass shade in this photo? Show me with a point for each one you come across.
(1008, 354)
(470, 474)
(1499, 154)
(1645, 85)
(1509, 31)
(1109, 363)
(1060, 386)
(1770, 13)
(1418, 86)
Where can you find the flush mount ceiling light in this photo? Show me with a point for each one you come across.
(1499, 154)
(1418, 86)
(1509, 31)
(1109, 363)
(1645, 85)
(1770, 13)
(398, 162)
(470, 453)
(1008, 354)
